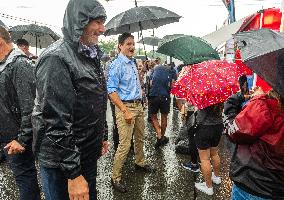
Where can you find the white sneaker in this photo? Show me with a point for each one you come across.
(203, 188)
(216, 179)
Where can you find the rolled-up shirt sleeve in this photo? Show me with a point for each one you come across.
(113, 78)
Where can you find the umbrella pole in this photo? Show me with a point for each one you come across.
(260, 27)
(139, 50)
(136, 3)
(143, 40)
(144, 46)
(36, 44)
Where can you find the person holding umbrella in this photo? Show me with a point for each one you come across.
(257, 166)
(70, 106)
(207, 137)
(125, 92)
(16, 100)
(25, 46)
(207, 85)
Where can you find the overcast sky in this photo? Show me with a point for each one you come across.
(199, 17)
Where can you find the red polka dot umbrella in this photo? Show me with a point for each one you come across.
(208, 83)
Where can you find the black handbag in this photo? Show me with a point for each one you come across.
(191, 124)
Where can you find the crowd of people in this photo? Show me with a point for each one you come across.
(54, 114)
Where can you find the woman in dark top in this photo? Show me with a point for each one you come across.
(207, 138)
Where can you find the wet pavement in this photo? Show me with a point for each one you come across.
(170, 182)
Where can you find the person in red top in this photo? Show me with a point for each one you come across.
(257, 166)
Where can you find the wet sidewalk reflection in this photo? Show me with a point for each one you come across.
(170, 182)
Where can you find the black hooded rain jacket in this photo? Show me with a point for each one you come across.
(17, 93)
(71, 100)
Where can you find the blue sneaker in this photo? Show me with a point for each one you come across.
(191, 167)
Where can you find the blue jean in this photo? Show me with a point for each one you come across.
(55, 184)
(239, 194)
(25, 173)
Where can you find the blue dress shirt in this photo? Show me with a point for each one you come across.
(123, 78)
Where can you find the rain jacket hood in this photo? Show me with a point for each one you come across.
(77, 15)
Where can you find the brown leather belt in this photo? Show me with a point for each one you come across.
(132, 101)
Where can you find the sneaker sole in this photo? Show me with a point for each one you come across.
(216, 182)
(208, 193)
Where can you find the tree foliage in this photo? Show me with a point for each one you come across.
(108, 46)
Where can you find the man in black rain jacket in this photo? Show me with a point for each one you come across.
(16, 105)
(71, 101)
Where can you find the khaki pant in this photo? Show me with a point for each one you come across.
(126, 132)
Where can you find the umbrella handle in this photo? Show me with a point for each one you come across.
(143, 41)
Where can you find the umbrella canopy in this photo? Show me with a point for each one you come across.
(140, 18)
(263, 51)
(187, 48)
(207, 83)
(37, 36)
(152, 41)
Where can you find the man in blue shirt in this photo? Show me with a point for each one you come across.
(159, 100)
(125, 92)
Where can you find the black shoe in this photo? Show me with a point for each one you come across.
(158, 143)
(119, 186)
(165, 140)
(145, 168)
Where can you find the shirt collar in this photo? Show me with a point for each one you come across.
(10, 57)
(90, 52)
(125, 59)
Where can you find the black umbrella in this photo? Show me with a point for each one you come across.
(263, 51)
(140, 18)
(152, 41)
(37, 36)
